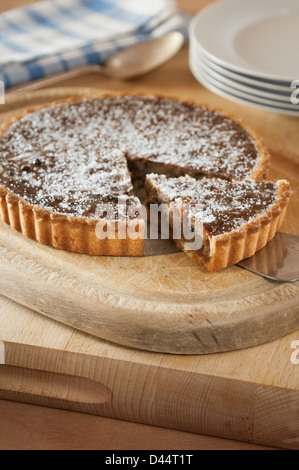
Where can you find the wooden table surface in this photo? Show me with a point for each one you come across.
(28, 427)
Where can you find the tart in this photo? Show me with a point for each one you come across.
(60, 162)
(231, 219)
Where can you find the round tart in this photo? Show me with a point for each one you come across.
(59, 163)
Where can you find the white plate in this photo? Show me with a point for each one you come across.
(232, 96)
(237, 85)
(255, 37)
(251, 90)
(241, 94)
(237, 99)
(283, 87)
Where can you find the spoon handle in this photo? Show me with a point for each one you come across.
(43, 82)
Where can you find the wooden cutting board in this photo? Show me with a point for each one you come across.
(250, 395)
(162, 302)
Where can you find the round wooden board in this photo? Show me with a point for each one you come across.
(160, 302)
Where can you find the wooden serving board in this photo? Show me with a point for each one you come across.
(161, 302)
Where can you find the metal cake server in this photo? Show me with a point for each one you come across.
(278, 261)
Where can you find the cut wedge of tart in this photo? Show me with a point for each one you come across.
(231, 219)
(60, 162)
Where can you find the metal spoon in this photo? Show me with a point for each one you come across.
(131, 62)
(278, 261)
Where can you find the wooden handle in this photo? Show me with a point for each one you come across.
(29, 383)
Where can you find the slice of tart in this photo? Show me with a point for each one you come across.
(233, 220)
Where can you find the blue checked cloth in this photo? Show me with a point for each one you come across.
(50, 37)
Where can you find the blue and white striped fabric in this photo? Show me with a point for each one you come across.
(59, 35)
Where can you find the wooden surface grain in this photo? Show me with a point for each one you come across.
(280, 133)
(27, 427)
(249, 395)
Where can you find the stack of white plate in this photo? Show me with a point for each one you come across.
(248, 51)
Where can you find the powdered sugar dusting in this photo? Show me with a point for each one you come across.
(62, 170)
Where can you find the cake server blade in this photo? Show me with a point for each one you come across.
(278, 261)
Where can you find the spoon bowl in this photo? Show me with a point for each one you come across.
(144, 57)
